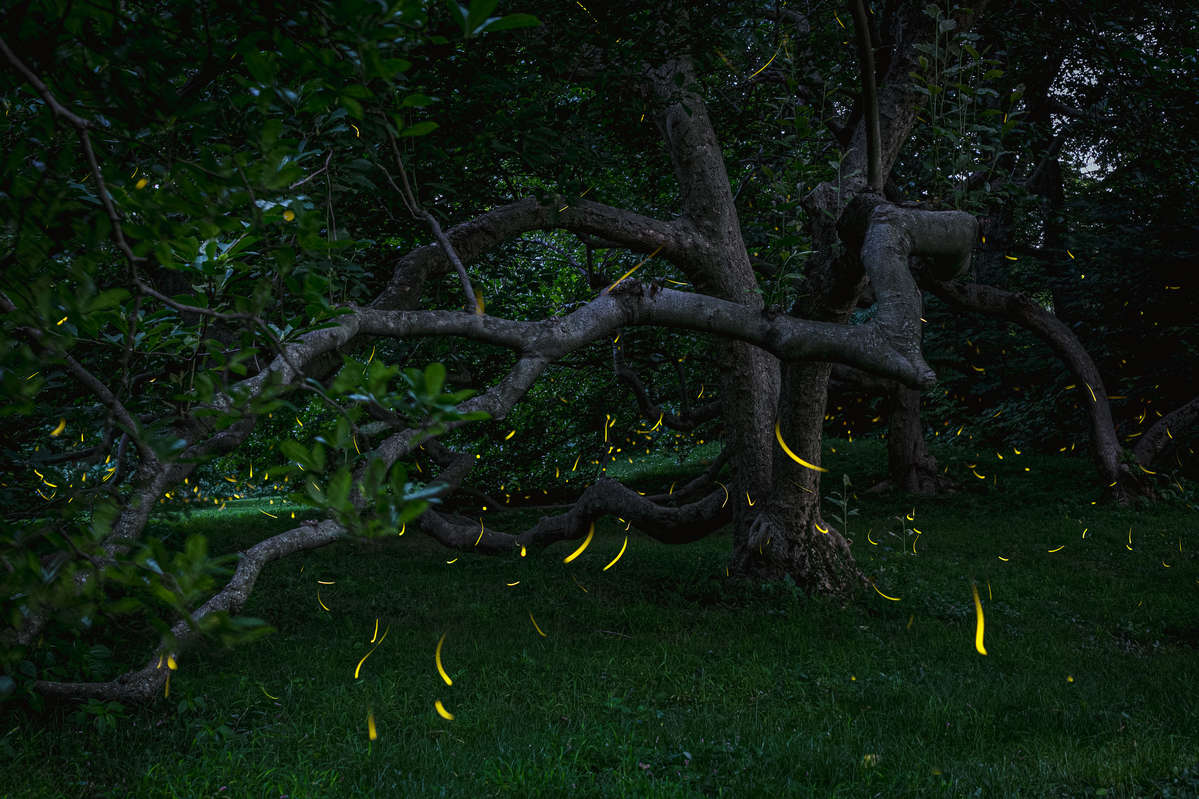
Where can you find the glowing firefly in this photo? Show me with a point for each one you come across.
(779, 435)
(978, 630)
(880, 593)
(579, 551)
(618, 554)
(437, 660)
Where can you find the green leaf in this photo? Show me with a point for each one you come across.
(510, 22)
(480, 10)
(416, 100)
(434, 378)
(107, 299)
(459, 14)
(419, 129)
(353, 106)
(339, 488)
(295, 451)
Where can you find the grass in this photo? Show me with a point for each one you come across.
(665, 679)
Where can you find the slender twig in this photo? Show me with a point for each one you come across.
(302, 181)
(410, 202)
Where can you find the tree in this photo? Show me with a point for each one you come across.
(201, 249)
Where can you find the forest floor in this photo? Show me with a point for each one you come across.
(661, 677)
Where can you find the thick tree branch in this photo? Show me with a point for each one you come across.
(894, 234)
(146, 683)
(866, 346)
(472, 238)
(1014, 307)
(874, 166)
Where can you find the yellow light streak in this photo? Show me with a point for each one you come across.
(823, 530)
(978, 630)
(321, 602)
(747, 499)
(880, 593)
(638, 266)
(441, 711)
(268, 696)
(868, 538)
(618, 554)
(510, 435)
(779, 435)
(264, 513)
(480, 538)
(437, 660)
(726, 493)
(535, 627)
(62, 425)
(1092, 393)
(768, 63)
(1057, 549)
(1001, 557)
(586, 541)
(370, 717)
(371, 652)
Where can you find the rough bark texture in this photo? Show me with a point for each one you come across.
(910, 466)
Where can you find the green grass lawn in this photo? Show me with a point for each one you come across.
(660, 677)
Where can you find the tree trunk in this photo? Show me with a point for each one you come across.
(910, 466)
(786, 536)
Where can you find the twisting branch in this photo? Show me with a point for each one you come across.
(144, 684)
